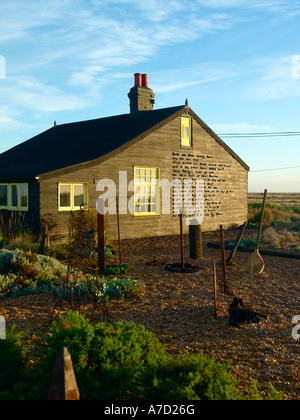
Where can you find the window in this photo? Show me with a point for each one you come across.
(146, 191)
(3, 196)
(186, 131)
(14, 197)
(72, 196)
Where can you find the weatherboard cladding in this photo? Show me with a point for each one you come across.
(88, 151)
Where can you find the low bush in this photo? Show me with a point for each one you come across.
(119, 361)
(274, 215)
(268, 217)
(116, 269)
(98, 288)
(27, 273)
(13, 375)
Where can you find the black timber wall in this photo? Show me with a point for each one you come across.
(226, 182)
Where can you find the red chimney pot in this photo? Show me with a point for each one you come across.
(137, 79)
(145, 80)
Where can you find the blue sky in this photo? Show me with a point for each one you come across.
(237, 62)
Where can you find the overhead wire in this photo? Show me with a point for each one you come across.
(263, 135)
(254, 135)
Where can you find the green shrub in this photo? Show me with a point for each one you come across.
(24, 273)
(111, 361)
(248, 242)
(117, 361)
(267, 205)
(122, 361)
(3, 242)
(118, 288)
(99, 288)
(13, 361)
(296, 228)
(268, 217)
(116, 269)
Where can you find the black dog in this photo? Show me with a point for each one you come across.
(239, 314)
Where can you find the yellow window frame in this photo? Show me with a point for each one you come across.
(72, 185)
(146, 201)
(186, 131)
(19, 206)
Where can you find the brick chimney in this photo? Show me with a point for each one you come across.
(141, 97)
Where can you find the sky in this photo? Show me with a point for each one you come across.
(236, 61)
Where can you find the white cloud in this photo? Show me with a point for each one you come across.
(274, 79)
(30, 93)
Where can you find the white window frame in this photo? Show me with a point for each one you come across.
(9, 205)
(72, 206)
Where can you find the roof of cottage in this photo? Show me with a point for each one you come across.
(72, 144)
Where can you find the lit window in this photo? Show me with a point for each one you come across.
(146, 191)
(72, 196)
(186, 131)
(14, 197)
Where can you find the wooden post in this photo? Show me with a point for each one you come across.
(64, 385)
(181, 241)
(195, 235)
(101, 240)
(215, 289)
(223, 259)
(119, 236)
(236, 245)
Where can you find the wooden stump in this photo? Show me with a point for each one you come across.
(64, 385)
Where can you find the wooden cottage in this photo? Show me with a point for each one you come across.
(58, 171)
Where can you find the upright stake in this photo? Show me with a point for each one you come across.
(236, 245)
(101, 241)
(64, 385)
(223, 259)
(119, 236)
(181, 241)
(215, 289)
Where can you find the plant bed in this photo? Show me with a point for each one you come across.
(115, 269)
(177, 268)
(230, 246)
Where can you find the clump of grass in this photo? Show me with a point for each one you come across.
(278, 240)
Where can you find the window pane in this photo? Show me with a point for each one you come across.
(186, 132)
(65, 196)
(14, 196)
(78, 195)
(3, 195)
(146, 190)
(24, 196)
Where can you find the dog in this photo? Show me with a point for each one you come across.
(239, 314)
